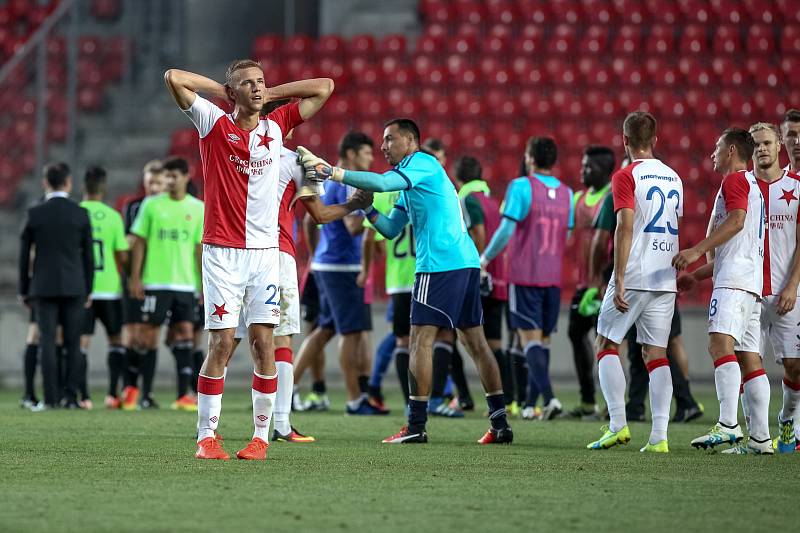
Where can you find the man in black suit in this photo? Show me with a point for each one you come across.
(58, 286)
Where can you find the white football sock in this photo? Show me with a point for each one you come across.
(283, 400)
(791, 398)
(612, 383)
(756, 390)
(727, 378)
(263, 392)
(660, 398)
(209, 405)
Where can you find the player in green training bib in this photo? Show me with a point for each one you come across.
(110, 258)
(166, 256)
(401, 262)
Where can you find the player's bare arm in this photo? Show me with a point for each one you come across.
(688, 280)
(788, 296)
(311, 233)
(185, 85)
(323, 214)
(732, 225)
(122, 259)
(313, 94)
(598, 257)
(478, 234)
(623, 238)
(367, 248)
(135, 282)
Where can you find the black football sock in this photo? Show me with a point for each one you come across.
(363, 384)
(131, 367)
(497, 411)
(148, 370)
(520, 374)
(318, 387)
(182, 350)
(116, 365)
(197, 363)
(31, 355)
(501, 356)
(442, 352)
(401, 360)
(83, 366)
(459, 378)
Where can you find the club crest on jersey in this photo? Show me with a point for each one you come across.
(232, 137)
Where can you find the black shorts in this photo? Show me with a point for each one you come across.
(199, 319)
(309, 301)
(109, 312)
(179, 306)
(401, 314)
(493, 311)
(32, 318)
(131, 309)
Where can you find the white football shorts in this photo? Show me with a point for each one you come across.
(289, 323)
(240, 282)
(650, 311)
(736, 313)
(781, 332)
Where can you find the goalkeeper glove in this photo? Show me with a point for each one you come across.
(589, 304)
(316, 168)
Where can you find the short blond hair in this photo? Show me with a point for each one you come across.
(154, 166)
(762, 126)
(239, 64)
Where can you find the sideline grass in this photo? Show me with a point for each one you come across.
(119, 471)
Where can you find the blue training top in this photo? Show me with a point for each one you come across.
(337, 250)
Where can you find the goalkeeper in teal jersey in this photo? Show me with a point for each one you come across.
(446, 292)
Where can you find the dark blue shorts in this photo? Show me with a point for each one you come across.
(341, 303)
(447, 299)
(534, 307)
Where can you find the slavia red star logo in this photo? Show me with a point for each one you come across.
(788, 196)
(264, 140)
(219, 311)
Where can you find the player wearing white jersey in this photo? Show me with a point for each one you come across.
(736, 241)
(648, 200)
(240, 154)
(779, 313)
(790, 134)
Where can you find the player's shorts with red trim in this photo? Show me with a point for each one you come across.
(779, 331)
(650, 311)
(290, 301)
(736, 313)
(240, 281)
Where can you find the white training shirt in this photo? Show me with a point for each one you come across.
(780, 238)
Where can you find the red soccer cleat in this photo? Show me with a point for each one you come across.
(209, 448)
(185, 403)
(256, 450)
(497, 436)
(129, 398)
(112, 402)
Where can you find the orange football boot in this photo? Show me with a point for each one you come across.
(185, 403)
(130, 397)
(209, 448)
(292, 436)
(256, 450)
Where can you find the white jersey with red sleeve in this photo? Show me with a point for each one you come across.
(780, 238)
(241, 174)
(289, 182)
(655, 193)
(739, 263)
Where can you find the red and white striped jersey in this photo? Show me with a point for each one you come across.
(780, 238)
(739, 263)
(241, 174)
(289, 182)
(655, 193)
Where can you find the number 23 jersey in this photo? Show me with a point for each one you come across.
(655, 194)
(738, 263)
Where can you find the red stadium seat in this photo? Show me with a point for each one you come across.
(628, 72)
(594, 41)
(563, 40)
(661, 40)
(469, 78)
(467, 105)
(567, 11)
(527, 72)
(789, 11)
(501, 104)
(763, 11)
(329, 67)
(267, 45)
(662, 12)
(769, 102)
(436, 11)
(369, 105)
(727, 39)
(730, 72)
(697, 73)
(462, 45)
(298, 45)
(329, 45)
(600, 104)
(661, 73)
(696, 11)
(790, 66)
(729, 11)
(790, 40)
(470, 11)
(599, 11)
(761, 39)
(764, 72)
(501, 12)
(392, 44)
(90, 99)
(427, 44)
(534, 11)
(106, 10)
(436, 77)
(694, 40)
(628, 40)
(339, 107)
(631, 11)
(496, 45)
(360, 45)
(737, 106)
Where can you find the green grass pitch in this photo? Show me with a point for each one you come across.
(120, 471)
